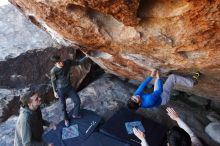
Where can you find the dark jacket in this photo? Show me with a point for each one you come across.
(60, 77)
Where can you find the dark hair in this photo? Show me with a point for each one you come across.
(132, 105)
(26, 98)
(176, 136)
(55, 58)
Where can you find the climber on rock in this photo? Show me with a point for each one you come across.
(60, 79)
(161, 93)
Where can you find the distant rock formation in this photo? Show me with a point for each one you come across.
(18, 35)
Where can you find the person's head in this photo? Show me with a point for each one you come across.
(176, 136)
(31, 99)
(57, 61)
(134, 102)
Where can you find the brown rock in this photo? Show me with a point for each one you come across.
(123, 10)
(178, 36)
(33, 67)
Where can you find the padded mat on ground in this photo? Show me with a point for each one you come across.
(81, 129)
(99, 139)
(115, 127)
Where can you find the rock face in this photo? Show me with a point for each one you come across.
(124, 11)
(105, 96)
(8, 103)
(213, 130)
(18, 35)
(178, 36)
(33, 67)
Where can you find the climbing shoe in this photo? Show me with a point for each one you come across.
(195, 77)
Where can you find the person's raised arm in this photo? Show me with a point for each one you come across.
(174, 116)
(74, 62)
(78, 62)
(140, 135)
(145, 83)
(158, 86)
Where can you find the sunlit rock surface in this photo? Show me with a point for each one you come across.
(175, 36)
(18, 35)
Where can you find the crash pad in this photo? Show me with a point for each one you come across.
(79, 130)
(115, 127)
(99, 139)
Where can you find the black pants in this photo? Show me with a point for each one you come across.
(69, 92)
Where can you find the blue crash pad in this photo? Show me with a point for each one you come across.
(85, 126)
(99, 139)
(115, 127)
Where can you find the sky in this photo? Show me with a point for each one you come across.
(3, 2)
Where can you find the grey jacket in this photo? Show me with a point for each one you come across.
(29, 128)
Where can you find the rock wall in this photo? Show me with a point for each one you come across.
(129, 38)
(33, 67)
(108, 94)
(18, 35)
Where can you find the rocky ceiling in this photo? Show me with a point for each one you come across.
(130, 37)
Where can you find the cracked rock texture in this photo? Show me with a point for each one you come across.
(128, 38)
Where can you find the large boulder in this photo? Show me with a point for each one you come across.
(213, 130)
(175, 36)
(9, 103)
(26, 50)
(8, 106)
(33, 67)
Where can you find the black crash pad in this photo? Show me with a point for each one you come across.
(99, 139)
(55, 136)
(115, 127)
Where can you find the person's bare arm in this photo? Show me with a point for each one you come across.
(140, 135)
(174, 116)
